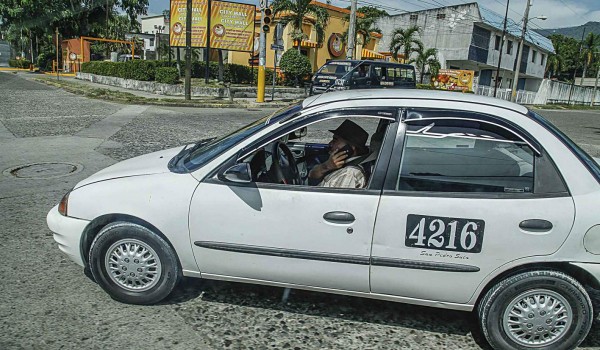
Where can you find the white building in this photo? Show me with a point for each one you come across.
(468, 37)
(157, 29)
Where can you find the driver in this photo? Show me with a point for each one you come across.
(347, 149)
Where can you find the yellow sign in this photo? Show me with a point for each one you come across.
(454, 79)
(232, 24)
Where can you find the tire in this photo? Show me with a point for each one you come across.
(563, 324)
(133, 264)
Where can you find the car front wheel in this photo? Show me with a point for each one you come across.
(536, 310)
(133, 264)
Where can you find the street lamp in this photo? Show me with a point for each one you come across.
(520, 53)
(158, 30)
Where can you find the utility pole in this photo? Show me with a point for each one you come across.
(502, 40)
(595, 86)
(351, 31)
(188, 51)
(262, 54)
(57, 76)
(208, 30)
(520, 54)
(575, 70)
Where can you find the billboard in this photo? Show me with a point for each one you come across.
(454, 79)
(232, 24)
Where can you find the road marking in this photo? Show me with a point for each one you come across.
(5, 134)
(113, 123)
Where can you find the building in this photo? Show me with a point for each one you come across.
(332, 47)
(155, 29)
(469, 37)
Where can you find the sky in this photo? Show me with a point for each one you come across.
(559, 13)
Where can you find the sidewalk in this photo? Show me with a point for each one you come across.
(124, 95)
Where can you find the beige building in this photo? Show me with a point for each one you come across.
(332, 47)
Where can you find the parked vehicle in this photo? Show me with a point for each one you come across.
(127, 57)
(471, 203)
(354, 74)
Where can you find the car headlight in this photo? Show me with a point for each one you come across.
(64, 204)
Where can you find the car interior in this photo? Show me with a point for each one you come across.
(289, 159)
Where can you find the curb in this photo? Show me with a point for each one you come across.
(159, 102)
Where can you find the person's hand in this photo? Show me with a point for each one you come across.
(336, 160)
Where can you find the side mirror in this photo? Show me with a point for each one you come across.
(297, 134)
(239, 173)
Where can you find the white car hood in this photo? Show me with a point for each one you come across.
(147, 164)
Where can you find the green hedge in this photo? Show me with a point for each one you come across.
(19, 64)
(167, 75)
(147, 70)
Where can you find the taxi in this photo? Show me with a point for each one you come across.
(470, 203)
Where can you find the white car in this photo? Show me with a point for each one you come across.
(471, 203)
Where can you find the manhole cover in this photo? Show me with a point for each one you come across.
(44, 170)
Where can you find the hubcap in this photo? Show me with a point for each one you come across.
(132, 265)
(537, 318)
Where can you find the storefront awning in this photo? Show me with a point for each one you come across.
(371, 54)
(306, 43)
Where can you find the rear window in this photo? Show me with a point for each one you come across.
(395, 74)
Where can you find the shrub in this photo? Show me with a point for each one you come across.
(167, 75)
(19, 63)
(295, 66)
(237, 74)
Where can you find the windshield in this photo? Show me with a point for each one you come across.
(339, 69)
(212, 149)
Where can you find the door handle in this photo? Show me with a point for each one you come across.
(339, 217)
(536, 225)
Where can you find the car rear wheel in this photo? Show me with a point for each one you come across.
(133, 264)
(536, 310)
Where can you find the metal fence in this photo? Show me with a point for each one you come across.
(550, 92)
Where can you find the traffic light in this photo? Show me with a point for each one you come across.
(267, 19)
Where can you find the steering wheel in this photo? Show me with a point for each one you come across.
(284, 168)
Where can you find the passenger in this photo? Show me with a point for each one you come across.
(347, 149)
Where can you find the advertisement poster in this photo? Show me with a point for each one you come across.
(454, 79)
(232, 24)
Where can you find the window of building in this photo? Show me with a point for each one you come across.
(441, 16)
(543, 60)
(497, 43)
(151, 41)
(414, 17)
(533, 56)
(457, 155)
(509, 47)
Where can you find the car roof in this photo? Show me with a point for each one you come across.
(369, 94)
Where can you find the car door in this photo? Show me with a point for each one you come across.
(293, 234)
(469, 193)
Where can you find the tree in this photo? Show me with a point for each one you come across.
(403, 40)
(295, 11)
(589, 51)
(294, 65)
(425, 58)
(565, 60)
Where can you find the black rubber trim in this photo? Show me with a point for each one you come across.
(285, 253)
(422, 265)
(339, 258)
(487, 195)
(295, 188)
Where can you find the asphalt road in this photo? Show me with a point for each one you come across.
(47, 302)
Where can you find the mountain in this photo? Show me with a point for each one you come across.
(573, 32)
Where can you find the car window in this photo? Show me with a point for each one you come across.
(452, 155)
(312, 150)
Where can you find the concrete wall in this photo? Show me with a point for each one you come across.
(178, 90)
(450, 35)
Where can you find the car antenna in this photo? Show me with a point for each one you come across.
(332, 85)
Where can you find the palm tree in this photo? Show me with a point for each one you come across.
(364, 27)
(425, 57)
(403, 41)
(295, 11)
(589, 51)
